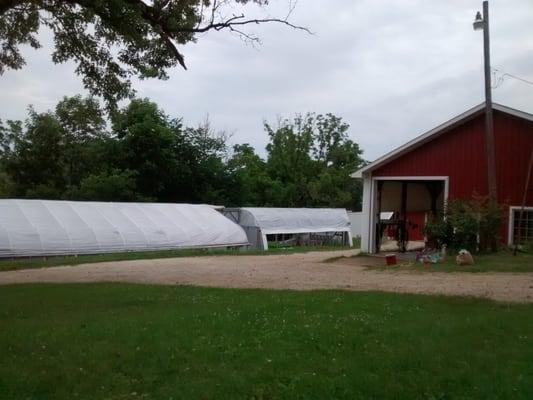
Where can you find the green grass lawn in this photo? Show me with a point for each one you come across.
(503, 261)
(42, 262)
(119, 341)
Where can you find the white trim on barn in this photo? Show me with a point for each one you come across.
(370, 195)
(438, 131)
(368, 223)
(511, 222)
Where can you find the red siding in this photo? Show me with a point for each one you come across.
(460, 155)
(416, 221)
(514, 142)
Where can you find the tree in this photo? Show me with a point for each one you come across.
(148, 156)
(202, 153)
(250, 177)
(338, 157)
(36, 163)
(51, 152)
(82, 122)
(70, 154)
(111, 41)
(310, 160)
(82, 118)
(6, 139)
(289, 160)
(146, 143)
(111, 185)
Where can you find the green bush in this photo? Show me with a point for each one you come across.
(113, 185)
(464, 221)
(438, 232)
(470, 224)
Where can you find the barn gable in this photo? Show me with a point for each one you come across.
(454, 154)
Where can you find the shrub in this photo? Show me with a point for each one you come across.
(438, 232)
(113, 185)
(464, 222)
(470, 224)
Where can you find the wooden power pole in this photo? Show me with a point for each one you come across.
(482, 23)
(489, 121)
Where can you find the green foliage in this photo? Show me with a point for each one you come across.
(465, 225)
(82, 125)
(312, 158)
(470, 224)
(501, 261)
(112, 185)
(145, 155)
(250, 176)
(112, 41)
(82, 119)
(120, 341)
(146, 145)
(204, 152)
(7, 187)
(36, 163)
(439, 232)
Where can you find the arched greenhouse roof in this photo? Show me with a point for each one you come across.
(46, 227)
(293, 220)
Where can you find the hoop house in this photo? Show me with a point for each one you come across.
(302, 223)
(42, 227)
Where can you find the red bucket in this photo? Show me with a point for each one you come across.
(391, 259)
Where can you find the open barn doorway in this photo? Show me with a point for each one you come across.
(403, 207)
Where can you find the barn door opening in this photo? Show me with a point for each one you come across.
(403, 207)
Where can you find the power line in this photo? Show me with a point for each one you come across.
(500, 79)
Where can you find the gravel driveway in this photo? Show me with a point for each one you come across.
(303, 271)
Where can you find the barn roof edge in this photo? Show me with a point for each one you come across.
(436, 132)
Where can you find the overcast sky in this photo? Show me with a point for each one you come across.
(392, 69)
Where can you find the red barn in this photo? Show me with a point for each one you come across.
(450, 162)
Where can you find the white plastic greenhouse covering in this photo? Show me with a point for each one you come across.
(43, 227)
(290, 221)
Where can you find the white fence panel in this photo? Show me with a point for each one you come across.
(355, 221)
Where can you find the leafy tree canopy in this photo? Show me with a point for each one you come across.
(311, 158)
(142, 154)
(111, 41)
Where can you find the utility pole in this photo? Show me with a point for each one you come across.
(483, 23)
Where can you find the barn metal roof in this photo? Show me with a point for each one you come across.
(436, 132)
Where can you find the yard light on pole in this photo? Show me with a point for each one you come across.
(482, 23)
(478, 23)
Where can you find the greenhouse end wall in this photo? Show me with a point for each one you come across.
(258, 222)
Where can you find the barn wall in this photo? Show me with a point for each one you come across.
(460, 154)
(514, 142)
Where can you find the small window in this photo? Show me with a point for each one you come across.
(524, 227)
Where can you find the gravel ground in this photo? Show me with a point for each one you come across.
(302, 271)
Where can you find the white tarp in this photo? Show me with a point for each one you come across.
(260, 222)
(355, 222)
(41, 227)
(295, 220)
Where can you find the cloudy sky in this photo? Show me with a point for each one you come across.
(391, 68)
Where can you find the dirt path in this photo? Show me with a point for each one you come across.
(293, 271)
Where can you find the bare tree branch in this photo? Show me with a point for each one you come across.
(234, 21)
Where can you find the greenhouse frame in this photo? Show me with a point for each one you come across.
(302, 225)
(48, 227)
